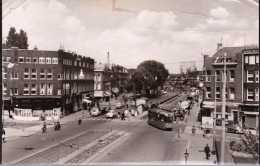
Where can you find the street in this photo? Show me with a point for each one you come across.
(141, 143)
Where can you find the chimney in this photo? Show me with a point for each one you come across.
(219, 45)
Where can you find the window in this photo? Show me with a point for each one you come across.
(4, 75)
(21, 59)
(59, 91)
(98, 86)
(208, 92)
(48, 60)
(232, 76)
(8, 59)
(251, 59)
(26, 73)
(98, 77)
(14, 91)
(256, 59)
(217, 92)
(217, 75)
(250, 94)
(256, 95)
(27, 59)
(79, 63)
(250, 75)
(84, 65)
(42, 74)
(59, 77)
(49, 89)
(26, 89)
(34, 74)
(41, 60)
(246, 59)
(208, 77)
(42, 89)
(75, 75)
(14, 75)
(256, 76)
(49, 74)
(35, 60)
(232, 93)
(54, 60)
(5, 89)
(33, 89)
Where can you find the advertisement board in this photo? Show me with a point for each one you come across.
(207, 122)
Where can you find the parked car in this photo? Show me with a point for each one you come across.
(111, 114)
(119, 105)
(103, 110)
(234, 129)
(126, 112)
(132, 112)
(95, 112)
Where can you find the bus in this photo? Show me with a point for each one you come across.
(160, 118)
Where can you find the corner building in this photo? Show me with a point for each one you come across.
(44, 80)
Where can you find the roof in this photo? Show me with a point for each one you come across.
(230, 51)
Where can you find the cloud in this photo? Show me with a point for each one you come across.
(219, 13)
(47, 23)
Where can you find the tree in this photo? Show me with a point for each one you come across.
(149, 75)
(16, 40)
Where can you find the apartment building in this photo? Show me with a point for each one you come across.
(242, 92)
(40, 80)
(249, 108)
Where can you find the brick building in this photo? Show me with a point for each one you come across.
(249, 109)
(237, 86)
(44, 80)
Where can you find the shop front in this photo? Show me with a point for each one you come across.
(249, 115)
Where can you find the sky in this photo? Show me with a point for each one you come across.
(132, 31)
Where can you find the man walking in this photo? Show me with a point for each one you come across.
(207, 151)
(193, 130)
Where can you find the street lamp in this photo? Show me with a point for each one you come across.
(156, 90)
(134, 91)
(214, 115)
(110, 91)
(144, 85)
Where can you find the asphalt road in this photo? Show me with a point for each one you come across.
(142, 143)
(15, 150)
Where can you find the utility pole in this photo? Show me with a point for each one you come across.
(223, 113)
(214, 119)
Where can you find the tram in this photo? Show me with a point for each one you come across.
(160, 118)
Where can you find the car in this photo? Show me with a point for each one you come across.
(126, 112)
(133, 112)
(95, 112)
(234, 129)
(119, 105)
(103, 110)
(111, 114)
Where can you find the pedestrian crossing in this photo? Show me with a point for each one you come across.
(98, 119)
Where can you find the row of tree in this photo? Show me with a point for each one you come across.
(15, 39)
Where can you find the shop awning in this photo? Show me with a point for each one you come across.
(86, 101)
(251, 113)
(98, 93)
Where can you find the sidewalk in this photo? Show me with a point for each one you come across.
(197, 142)
(12, 132)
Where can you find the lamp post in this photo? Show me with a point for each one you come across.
(214, 115)
(223, 113)
(156, 90)
(110, 91)
(82, 76)
(134, 91)
(144, 85)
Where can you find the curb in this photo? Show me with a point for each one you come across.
(77, 152)
(23, 158)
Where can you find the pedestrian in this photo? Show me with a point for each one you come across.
(3, 134)
(193, 130)
(207, 151)
(123, 116)
(118, 115)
